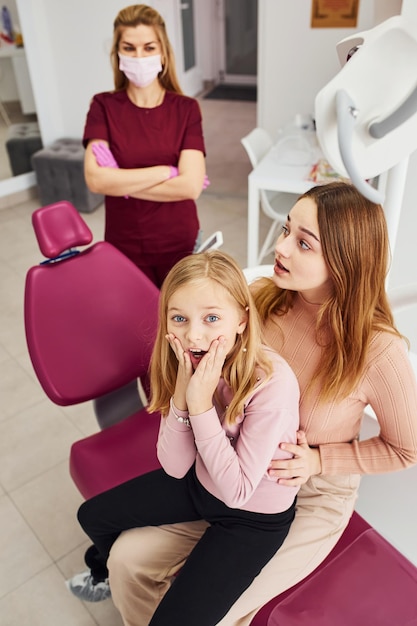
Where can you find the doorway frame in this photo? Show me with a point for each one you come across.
(221, 73)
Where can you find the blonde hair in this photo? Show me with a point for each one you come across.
(240, 369)
(354, 239)
(132, 16)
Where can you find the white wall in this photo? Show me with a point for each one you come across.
(68, 59)
(294, 60)
(404, 267)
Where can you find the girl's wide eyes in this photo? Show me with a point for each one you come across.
(178, 318)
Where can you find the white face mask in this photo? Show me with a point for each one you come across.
(140, 71)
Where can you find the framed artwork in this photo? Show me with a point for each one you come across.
(334, 13)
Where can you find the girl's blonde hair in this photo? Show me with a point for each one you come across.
(240, 368)
(354, 240)
(132, 16)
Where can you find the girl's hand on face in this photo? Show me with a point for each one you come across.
(296, 471)
(185, 371)
(206, 377)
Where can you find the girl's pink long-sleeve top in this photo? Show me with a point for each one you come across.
(232, 461)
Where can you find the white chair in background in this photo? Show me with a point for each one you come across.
(259, 271)
(275, 205)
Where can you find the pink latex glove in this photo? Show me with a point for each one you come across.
(174, 173)
(104, 156)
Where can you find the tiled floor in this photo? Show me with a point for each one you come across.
(41, 543)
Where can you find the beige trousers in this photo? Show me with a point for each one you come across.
(143, 560)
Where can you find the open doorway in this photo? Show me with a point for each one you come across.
(238, 41)
(189, 68)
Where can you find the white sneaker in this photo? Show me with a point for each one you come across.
(83, 587)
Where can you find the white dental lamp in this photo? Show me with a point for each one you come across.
(366, 116)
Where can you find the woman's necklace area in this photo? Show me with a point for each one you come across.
(148, 102)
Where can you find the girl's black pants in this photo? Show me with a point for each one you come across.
(229, 555)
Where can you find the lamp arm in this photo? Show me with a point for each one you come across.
(396, 118)
(346, 119)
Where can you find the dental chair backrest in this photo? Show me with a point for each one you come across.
(90, 320)
(90, 316)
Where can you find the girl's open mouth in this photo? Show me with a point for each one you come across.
(197, 354)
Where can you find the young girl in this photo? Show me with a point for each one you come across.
(226, 402)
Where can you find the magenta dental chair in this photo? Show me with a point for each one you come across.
(364, 581)
(90, 319)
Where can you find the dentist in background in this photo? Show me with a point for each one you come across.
(145, 148)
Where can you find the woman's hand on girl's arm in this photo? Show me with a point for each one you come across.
(296, 471)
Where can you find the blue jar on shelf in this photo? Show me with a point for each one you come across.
(7, 23)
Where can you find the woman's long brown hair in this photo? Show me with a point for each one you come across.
(354, 239)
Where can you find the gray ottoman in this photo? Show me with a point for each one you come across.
(22, 140)
(59, 170)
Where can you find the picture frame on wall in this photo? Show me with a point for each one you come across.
(334, 13)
